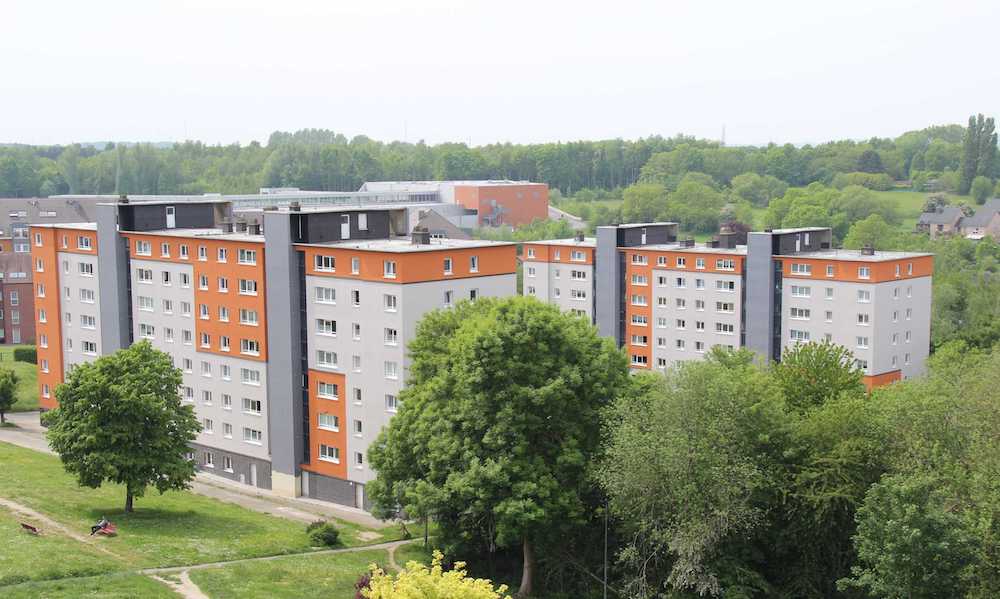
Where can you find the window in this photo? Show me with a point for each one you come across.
(449, 298)
(326, 263)
(680, 303)
(186, 336)
(391, 402)
(861, 364)
(144, 275)
(680, 282)
(206, 340)
(531, 252)
(227, 401)
(44, 365)
(248, 287)
(203, 311)
(637, 300)
(864, 297)
(725, 328)
(356, 363)
(168, 334)
(580, 275)
(681, 324)
(328, 390)
(164, 250)
(165, 277)
(185, 280)
(326, 327)
(206, 398)
(898, 268)
(909, 268)
(801, 269)
(699, 263)
(679, 344)
(249, 376)
(356, 331)
(15, 298)
(252, 436)
(906, 337)
(87, 270)
(474, 264)
(328, 453)
(726, 286)
(225, 371)
(448, 264)
(681, 262)
(725, 264)
(391, 370)
(227, 462)
(209, 460)
(223, 314)
(41, 290)
(357, 396)
(800, 291)
(800, 336)
(555, 254)
(43, 339)
(639, 320)
(326, 358)
(222, 255)
(223, 285)
(143, 248)
(577, 256)
(90, 347)
(639, 259)
(90, 322)
(247, 256)
(146, 331)
(864, 319)
(662, 301)
(250, 347)
(699, 283)
(389, 301)
(84, 243)
(252, 406)
(638, 360)
(184, 251)
(202, 253)
(356, 298)
(699, 325)
(389, 269)
(639, 339)
(248, 317)
(800, 313)
(862, 342)
(829, 270)
(145, 303)
(203, 282)
(864, 272)
(187, 364)
(829, 316)
(829, 293)
(185, 308)
(909, 313)
(329, 422)
(326, 295)
(391, 337)
(728, 307)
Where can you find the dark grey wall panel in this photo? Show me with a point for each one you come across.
(113, 278)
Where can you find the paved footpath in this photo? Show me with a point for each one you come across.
(31, 435)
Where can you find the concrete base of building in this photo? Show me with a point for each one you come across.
(247, 470)
(335, 490)
(284, 484)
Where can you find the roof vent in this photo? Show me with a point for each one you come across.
(270, 208)
(294, 207)
(123, 198)
(867, 250)
(579, 236)
(687, 243)
(420, 236)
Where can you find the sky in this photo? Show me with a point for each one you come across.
(225, 71)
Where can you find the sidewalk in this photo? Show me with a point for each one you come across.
(31, 435)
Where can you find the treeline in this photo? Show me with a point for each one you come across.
(325, 160)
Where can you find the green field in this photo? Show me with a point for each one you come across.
(176, 528)
(113, 586)
(27, 374)
(320, 576)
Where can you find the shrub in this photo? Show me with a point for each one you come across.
(323, 533)
(878, 182)
(417, 580)
(26, 354)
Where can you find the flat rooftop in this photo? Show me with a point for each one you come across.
(79, 226)
(211, 232)
(739, 250)
(855, 255)
(402, 245)
(572, 241)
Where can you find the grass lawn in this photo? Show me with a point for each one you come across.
(27, 374)
(25, 557)
(177, 528)
(320, 576)
(573, 207)
(115, 586)
(414, 552)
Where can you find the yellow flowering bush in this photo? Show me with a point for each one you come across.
(418, 581)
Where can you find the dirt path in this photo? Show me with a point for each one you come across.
(184, 586)
(49, 525)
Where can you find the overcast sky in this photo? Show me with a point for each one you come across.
(225, 71)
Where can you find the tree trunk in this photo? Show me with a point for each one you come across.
(425, 531)
(128, 501)
(3, 417)
(527, 571)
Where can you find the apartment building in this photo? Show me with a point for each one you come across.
(668, 300)
(17, 325)
(291, 337)
(561, 272)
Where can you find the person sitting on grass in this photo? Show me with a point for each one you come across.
(101, 524)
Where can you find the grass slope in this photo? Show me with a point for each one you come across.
(176, 528)
(27, 374)
(319, 576)
(24, 557)
(117, 586)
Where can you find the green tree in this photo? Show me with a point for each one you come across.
(8, 392)
(756, 189)
(643, 202)
(498, 424)
(981, 189)
(811, 374)
(979, 148)
(870, 162)
(872, 231)
(120, 419)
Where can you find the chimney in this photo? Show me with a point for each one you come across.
(240, 225)
(420, 236)
(579, 236)
(253, 228)
(123, 198)
(226, 226)
(867, 250)
(294, 207)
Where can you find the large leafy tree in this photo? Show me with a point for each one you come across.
(498, 424)
(120, 419)
(810, 374)
(8, 392)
